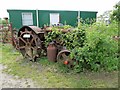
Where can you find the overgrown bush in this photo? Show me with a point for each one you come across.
(100, 49)
(70, 39)
(52, 36)
(92, 46)
(73, 39)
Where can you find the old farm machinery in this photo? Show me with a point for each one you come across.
(30, 41)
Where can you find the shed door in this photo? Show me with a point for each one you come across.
(54, 18)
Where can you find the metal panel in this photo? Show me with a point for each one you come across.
(87, 14)
(16, 17)
(68, 17)
(88, 17)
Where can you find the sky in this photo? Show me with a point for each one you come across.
(83, 5)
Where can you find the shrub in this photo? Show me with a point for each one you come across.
(52, 36)
(73, 39)
(92, 46)
(100, 50)
(70, 39)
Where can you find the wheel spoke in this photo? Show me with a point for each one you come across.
(22, 47)
(32, 40)
(21, 33)
(34, 48)
(65, 57)
(23, 40)
(35, 42)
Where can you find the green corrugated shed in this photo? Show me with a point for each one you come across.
(88, 15)
(15, 17)
(68, 17)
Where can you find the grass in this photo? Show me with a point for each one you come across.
(53, 75)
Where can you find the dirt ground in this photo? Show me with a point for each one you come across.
(9, 81)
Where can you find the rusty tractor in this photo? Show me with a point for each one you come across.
(30, 42)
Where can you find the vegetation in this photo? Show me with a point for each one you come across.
(100, 49)
(3, 22)
(92, 46)
(51, 75)
(116, 13)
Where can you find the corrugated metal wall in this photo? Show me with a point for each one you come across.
(88, 17)
(15, 17)
(87, 14)
(68, 17)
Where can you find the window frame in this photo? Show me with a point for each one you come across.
(51, 19)
(29, 21)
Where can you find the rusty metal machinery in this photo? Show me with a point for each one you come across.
(29, 42)
(63, 57)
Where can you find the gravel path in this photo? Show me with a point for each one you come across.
(9, 81)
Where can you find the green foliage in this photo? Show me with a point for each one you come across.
(87, 21)
(52, 36)
(100, 50)
(47, 75)
(92, 46)
(3, 22)
(116, 13)
(75, 38)
(67, 26)
(72, 39)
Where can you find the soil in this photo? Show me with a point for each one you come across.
(9, 81)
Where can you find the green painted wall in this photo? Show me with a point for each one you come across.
(88, 15)
(43, 18)
(70, 17)
(16, 17)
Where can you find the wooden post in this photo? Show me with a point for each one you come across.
(11, 30)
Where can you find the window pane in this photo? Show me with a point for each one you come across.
(27, 19)
(54, 18)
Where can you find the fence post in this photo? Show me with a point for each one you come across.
(11, 33)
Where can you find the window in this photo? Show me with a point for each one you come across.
(54, 18)
(27, 19)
